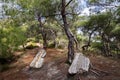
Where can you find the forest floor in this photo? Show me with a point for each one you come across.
(56, 68)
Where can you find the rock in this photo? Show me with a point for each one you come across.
(80, 64)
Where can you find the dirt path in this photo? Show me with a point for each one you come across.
(55, 67)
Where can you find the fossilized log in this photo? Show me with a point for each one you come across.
(39, 59)
(80, 64)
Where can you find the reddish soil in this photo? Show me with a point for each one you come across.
(56, 68)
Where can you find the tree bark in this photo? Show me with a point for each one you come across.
(68, 33)
(43, 33)
(44, 40)
(85, 47)
(106, 44)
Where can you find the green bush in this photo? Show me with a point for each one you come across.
(60, 46)
(51, 45)
(31, 40)
(96, 46)
(10, 39)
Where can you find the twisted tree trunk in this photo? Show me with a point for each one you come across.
(85, 47)
(68, 33)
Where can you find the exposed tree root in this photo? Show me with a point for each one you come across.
(97, 71)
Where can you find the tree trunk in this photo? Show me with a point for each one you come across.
(85, 47)
(43, 33)
(106, 45)
(54, 35)
(44, 40)
(68, 33)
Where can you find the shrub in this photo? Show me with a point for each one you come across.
(96, 46)
(10, 39)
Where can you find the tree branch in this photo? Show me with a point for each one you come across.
(68, 3)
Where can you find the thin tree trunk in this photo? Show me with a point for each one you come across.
(85, 47)
(106, 45)
(43, 33)
(44, 40)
